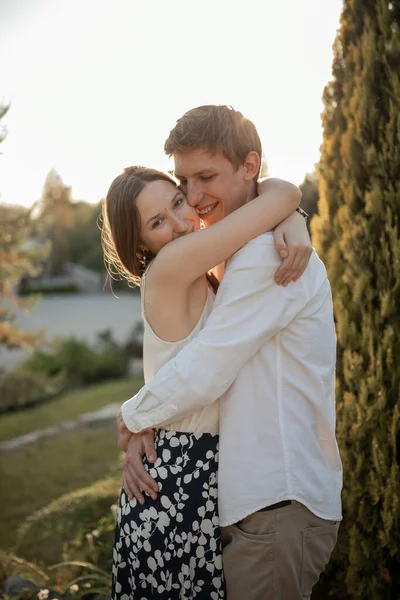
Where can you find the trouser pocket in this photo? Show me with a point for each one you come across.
(318, 544)
(248, 559)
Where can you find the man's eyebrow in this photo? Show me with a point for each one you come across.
(202, 172)
(158, 215)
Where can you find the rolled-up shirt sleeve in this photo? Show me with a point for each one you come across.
(250, 308)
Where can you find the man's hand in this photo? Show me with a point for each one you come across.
(135, 478)
(293, 243)
(124, 435)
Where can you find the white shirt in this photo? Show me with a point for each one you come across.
(269, 353)
(157, 352)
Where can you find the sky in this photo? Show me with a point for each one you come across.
(96, 85)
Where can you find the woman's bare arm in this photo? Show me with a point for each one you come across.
(187, 258)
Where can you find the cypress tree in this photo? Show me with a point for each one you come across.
(357, 235)
(57, 213)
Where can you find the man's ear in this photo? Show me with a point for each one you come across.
(251, 166)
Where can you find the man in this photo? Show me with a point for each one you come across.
(268, 353)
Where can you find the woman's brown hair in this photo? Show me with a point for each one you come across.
(120, 233)
(123, 256)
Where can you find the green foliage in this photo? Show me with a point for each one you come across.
(77, 363)
(90, 581)
(95, 545)
(357, 235)
(42, 287)
(85, 239)
(68, 579)
(57, 216)
(45, 534)
(133, 346)
(71, 226)
(70, 363)
(23, 390)
(17, 259)
(73, 577)
(12, 565)
(310, 195)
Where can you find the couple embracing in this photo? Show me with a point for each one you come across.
(232, 476)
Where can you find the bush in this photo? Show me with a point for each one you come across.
(23, 580)
(70, 363)
(22, 390)
(15, 566)
(133, 346)
(95, 546)
(36, 288)
(65, 522)
(77, 363)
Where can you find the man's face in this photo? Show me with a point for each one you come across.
(212, 184)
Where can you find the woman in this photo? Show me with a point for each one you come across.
(170, 547)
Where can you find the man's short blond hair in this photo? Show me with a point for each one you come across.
(216, 129)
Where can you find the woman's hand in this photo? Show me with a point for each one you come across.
(293, 243)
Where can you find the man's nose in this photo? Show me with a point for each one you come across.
(194, 195)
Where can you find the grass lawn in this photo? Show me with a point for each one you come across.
(66, 407)
(36, 474)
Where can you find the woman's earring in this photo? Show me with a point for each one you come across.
(146, 257)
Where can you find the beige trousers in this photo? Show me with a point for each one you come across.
(277, 554)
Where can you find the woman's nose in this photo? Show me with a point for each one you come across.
(181, 225)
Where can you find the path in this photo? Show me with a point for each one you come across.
(107, 413)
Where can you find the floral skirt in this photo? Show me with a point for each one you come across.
(171, 548)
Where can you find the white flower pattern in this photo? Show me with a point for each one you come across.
(171, 548)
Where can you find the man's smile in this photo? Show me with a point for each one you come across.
(207, 209)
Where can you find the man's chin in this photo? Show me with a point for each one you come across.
(210, 221)
(212, 218)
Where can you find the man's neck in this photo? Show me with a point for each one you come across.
(251, 193)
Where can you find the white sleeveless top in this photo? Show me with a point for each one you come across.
(157, 352)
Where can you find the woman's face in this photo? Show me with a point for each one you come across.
(164, 215)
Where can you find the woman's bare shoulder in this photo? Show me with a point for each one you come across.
(172, 312)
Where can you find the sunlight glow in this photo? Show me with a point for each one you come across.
(96, 86)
